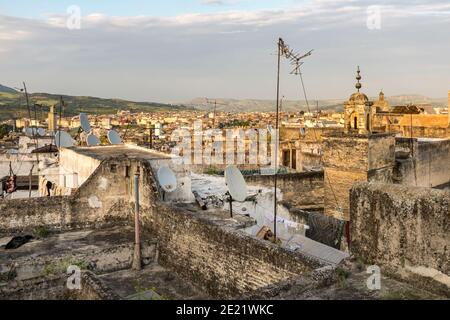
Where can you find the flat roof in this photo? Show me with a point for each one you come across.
(123, 150)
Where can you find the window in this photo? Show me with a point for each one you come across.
(113, 168)
(286, 158)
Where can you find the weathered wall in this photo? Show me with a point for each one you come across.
(103, 199)
(423, 163)
(55, 288)
(350, 158)
(303, 189)
(71, 161)
(22, 163)
(405, 230)
(225, 262)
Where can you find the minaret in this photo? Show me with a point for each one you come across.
(355, 155)
(52, 119)
(357, 110)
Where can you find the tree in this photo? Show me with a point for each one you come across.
(5, 129)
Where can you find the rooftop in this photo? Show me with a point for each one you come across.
(123, 150)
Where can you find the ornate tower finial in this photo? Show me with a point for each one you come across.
(358, 77)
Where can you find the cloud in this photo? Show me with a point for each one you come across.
(213, 2)
(230, 53)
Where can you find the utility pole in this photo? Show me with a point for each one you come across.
(29, 181)
(137, 228)
(295, 60)
(209, 101)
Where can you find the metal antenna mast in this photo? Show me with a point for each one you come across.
(296, 61)
(209, 101)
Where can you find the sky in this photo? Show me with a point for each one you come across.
(174, 50)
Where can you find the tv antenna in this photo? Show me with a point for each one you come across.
(237, 188)
(295, 60)
(210, 101)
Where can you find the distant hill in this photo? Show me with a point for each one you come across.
(13, 105)
(253, 105)
(6, 89)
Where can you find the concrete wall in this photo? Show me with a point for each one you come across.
(423, 163)
(102, 200)
(22, 163)
(223, 261)
(405, 230)
(301, 190)
(74, 162)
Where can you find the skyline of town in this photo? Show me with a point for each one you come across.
(226, 50)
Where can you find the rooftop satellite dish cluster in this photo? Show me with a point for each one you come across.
(92, 140)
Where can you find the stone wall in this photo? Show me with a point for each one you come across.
(55, 288)
(350, 158)
(217, 257)
(403, 229)
(210, 251)
(301, 190)
(104, 199)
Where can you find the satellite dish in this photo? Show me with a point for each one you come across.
(167, 179)
(63, 140)
(30, 131)
(114, 137)
(41, 132)
(236, 183)
(84, 122)
(92, 140)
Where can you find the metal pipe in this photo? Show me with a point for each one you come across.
(137, 228)
(280, 43)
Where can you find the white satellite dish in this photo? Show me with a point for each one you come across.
(114, 137)
(84, 122)
(30, 131)
(41, 132)
(167, 179)
(63, 140)
(236, 183)
(92, 140)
